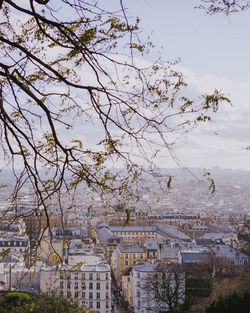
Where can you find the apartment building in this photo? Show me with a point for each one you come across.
(89, 284)
(143, 299)
(14, 245)
(128, 254)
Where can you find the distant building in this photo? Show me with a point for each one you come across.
(70, 232)
(151, 246)
(230, 255)
(14, 275)
(131, 232)
(168, 252)
(155, 231)
(202, 255)
(14, 245)
(198, 271)
(108, 239)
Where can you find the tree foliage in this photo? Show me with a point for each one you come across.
(231, 304)
(69, 68)
(18, 302)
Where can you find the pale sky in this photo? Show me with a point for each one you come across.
(214, 52)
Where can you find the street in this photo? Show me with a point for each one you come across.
(116, 300)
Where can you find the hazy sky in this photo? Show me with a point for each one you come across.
(214, 53)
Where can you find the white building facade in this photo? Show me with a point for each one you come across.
(144, 301)
(88, 285)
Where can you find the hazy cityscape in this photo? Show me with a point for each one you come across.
(111, 255)
(124, 156)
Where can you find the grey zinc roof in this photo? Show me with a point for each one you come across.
(100, 267)
(190, 256)
(214, 235)
(129, 249)
(172, 231)
(231, 253)
(149, 267)
(146, 267)
(106, 234)
(151, 244)
(203, 241)
(169, 252)
(221, 228)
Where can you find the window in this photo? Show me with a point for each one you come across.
(68, 285)
(139, 303)
(126, 263)
(107, 295)
(98, 276)
(83, 276)
(98, 286)
(138, 275)
(107, 285)
(90, 285)
(98, 305)
(61, 284)
(76, 285)
(134, 256)
(68, 294)
(90, 276)
(141, 256)
(91, 295)
(83, 295)
(90, 304)
(138, 293)
(138, 284)
(76, 294)
(107, 304)
(98, 295)
(126, 256)
(76, 276)
(107, 276)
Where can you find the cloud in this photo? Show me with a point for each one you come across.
(221, 142)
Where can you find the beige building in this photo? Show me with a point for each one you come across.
(127, 255)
